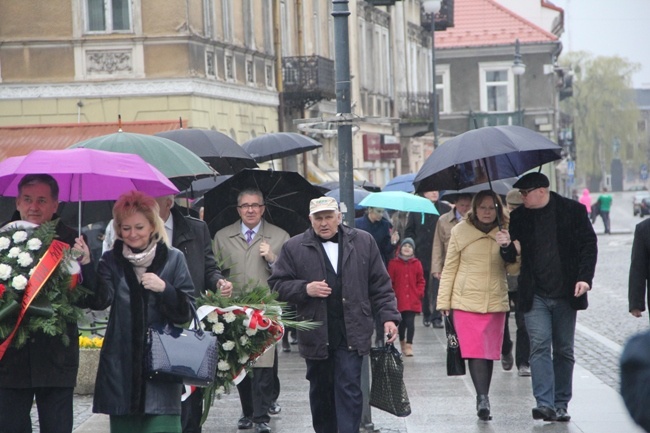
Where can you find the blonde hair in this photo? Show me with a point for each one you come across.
(134, 202)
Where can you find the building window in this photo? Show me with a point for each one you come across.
(443, 87)
(210, 68)
(108, 15)
(230, 68)
(268, 72)
(497, 87)
(250, 72)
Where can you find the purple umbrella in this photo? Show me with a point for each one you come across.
(86, 174)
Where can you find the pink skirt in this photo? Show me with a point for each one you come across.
(480, 335)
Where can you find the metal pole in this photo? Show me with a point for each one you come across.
(340, 12)
(434, 95)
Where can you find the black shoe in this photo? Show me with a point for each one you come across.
(262, 427)
(545, 413)
(275, 408)
(562, 415)
(483, 407)
(437, 324)
(426, 323)
(244, 423)
(507, 361)
(285, 346)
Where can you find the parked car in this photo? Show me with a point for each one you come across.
(636, 202)
(644, 208)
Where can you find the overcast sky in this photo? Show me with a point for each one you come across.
(608, 28)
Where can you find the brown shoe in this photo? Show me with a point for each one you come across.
(402, 345)
(408, 351)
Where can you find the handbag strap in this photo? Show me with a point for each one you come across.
(449, 325)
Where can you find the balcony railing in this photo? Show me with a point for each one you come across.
(307, 80)
(479, 120)
(415, 105)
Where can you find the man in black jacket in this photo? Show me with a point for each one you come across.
(422, 232)
(638, 294)
(192, 237)
(559, 250)
(44, 368)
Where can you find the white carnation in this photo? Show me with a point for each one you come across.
(5, 272)
(19, 236)
(228, 345)
(229, 317)
(243, 340)
(13, 253)
(223, 365)
(19, 282)
(251, 331)
(218, 328)
(220, 390)
(213, 317)
(25, 259)
(243, 360)
(34, 244)
(4, 243)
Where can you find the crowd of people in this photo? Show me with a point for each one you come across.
(475, 262)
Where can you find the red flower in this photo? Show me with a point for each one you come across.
(2, 290)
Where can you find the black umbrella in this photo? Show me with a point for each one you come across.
(217, 149)
(482, 155)
(286, 197)
(335, 184)
(501, 187)
(278, 145)
(201, 186)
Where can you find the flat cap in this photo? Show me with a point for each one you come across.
(532, 180)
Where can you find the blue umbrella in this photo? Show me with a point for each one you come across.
(399, 200)
(359, 194)
(403, 182)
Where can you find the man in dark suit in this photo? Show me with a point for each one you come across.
(44, 368)
(638, 294)
(192, 237)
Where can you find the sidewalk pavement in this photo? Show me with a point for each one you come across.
(439, 403)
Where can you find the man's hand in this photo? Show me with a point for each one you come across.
(581, 288)
(82, 250)
(318, 289)
(265, 251)
(503, 238)
(224, 287)
(390, 330)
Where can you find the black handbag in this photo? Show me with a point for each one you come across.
(455, 362)
(187, 356)
(388, 391)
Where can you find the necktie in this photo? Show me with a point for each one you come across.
(249, 236)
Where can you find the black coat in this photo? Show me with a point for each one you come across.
(422, 233)
(121, 387)
(192, 237)
(635, 376)
(365, 283)
(577, 245)
(44, 361)
(640, 267)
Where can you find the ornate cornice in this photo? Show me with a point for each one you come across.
(199, 87)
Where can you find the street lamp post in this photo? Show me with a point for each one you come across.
(432, 7)
(518, 68)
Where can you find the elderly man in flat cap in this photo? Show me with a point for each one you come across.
(558, 260)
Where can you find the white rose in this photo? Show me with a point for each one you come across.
(5, 272)
(25, 259)
(13, 253)
(243, 360)
(19, 236)
(213, 317)
(4, 243)
(229, 317)
(218, 328)
(223, 365)
(19, 282)
(34, 244)
(251, 331)
(243, 340)
(220, 390)
(228, 345)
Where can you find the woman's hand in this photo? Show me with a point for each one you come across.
(444, 312)
(151, 281)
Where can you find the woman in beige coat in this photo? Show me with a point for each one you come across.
(473, 285)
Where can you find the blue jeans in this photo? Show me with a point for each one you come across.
(551, 324)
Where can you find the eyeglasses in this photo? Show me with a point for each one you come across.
(525, 192)
(254, 206)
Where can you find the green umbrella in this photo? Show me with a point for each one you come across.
(176, 162)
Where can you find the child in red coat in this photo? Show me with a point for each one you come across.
(408, 283)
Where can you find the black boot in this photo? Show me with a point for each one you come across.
(483, 407)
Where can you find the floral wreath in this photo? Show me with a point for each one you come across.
(38, 289)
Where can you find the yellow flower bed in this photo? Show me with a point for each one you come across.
(94, 342)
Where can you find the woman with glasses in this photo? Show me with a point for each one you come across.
(473, 285)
